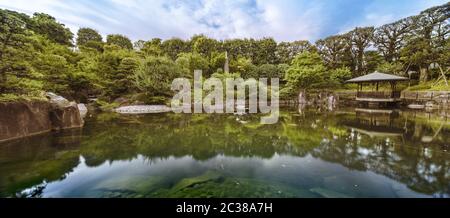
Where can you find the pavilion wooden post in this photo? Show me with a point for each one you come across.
(393, 88)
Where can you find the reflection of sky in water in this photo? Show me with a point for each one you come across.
(310, 154)
(303, 173)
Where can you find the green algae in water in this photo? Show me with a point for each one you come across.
(131, 187)
(208, 185)
(186, 183)
(329, 193)
(236, 188)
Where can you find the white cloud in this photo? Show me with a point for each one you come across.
(285, 20)
(221, 19)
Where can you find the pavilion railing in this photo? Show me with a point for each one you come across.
(378, 94)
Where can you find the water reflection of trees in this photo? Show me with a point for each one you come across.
(33, 160)
(392, 145)
(331, 137)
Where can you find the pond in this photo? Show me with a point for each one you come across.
(309, 153)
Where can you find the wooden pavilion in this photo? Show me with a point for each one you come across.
(377, 96)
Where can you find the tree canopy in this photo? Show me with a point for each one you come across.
(86, 35)
(37, 54)
(119, 40)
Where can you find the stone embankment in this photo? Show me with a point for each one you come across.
(22, 119)
(424, 99)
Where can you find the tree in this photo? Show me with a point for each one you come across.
(340, 75)
(204, 45)
(154, 75)
(390, 38)
(236, 48)
(372, 60)
(307, 71)
(139, 45)
(242, 66)
(360, 39)
(54, 63)
(173, 47)
(217, 62)
(433, 24)
(123, 82)
(93, 46)
(417, 53)
(391, 68)
(335, 51)
(264, 51)
(86, 79)
(15, 52)
(444, 57)
(286, 51)
(193, 61)
(266, 71)
(153, 47)
(55, 70)
(119, 40)
(429, 36)
(107, 67)
(86, 35)
(47, 25)
(258, 51)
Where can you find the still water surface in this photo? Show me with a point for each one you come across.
(343, 153)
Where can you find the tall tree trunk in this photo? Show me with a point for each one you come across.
(423, 74)
(2, 81)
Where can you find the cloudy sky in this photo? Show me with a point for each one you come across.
(285, 20)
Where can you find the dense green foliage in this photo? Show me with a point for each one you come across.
(155, 75)
(38, 54)
(88, 35)
(119, 40)
(307, 71)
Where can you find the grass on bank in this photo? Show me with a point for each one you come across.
(9, 97)
(430, 86)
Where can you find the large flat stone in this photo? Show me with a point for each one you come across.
(21, 119)
(143, 109)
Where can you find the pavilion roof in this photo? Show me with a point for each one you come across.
(377, 77)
